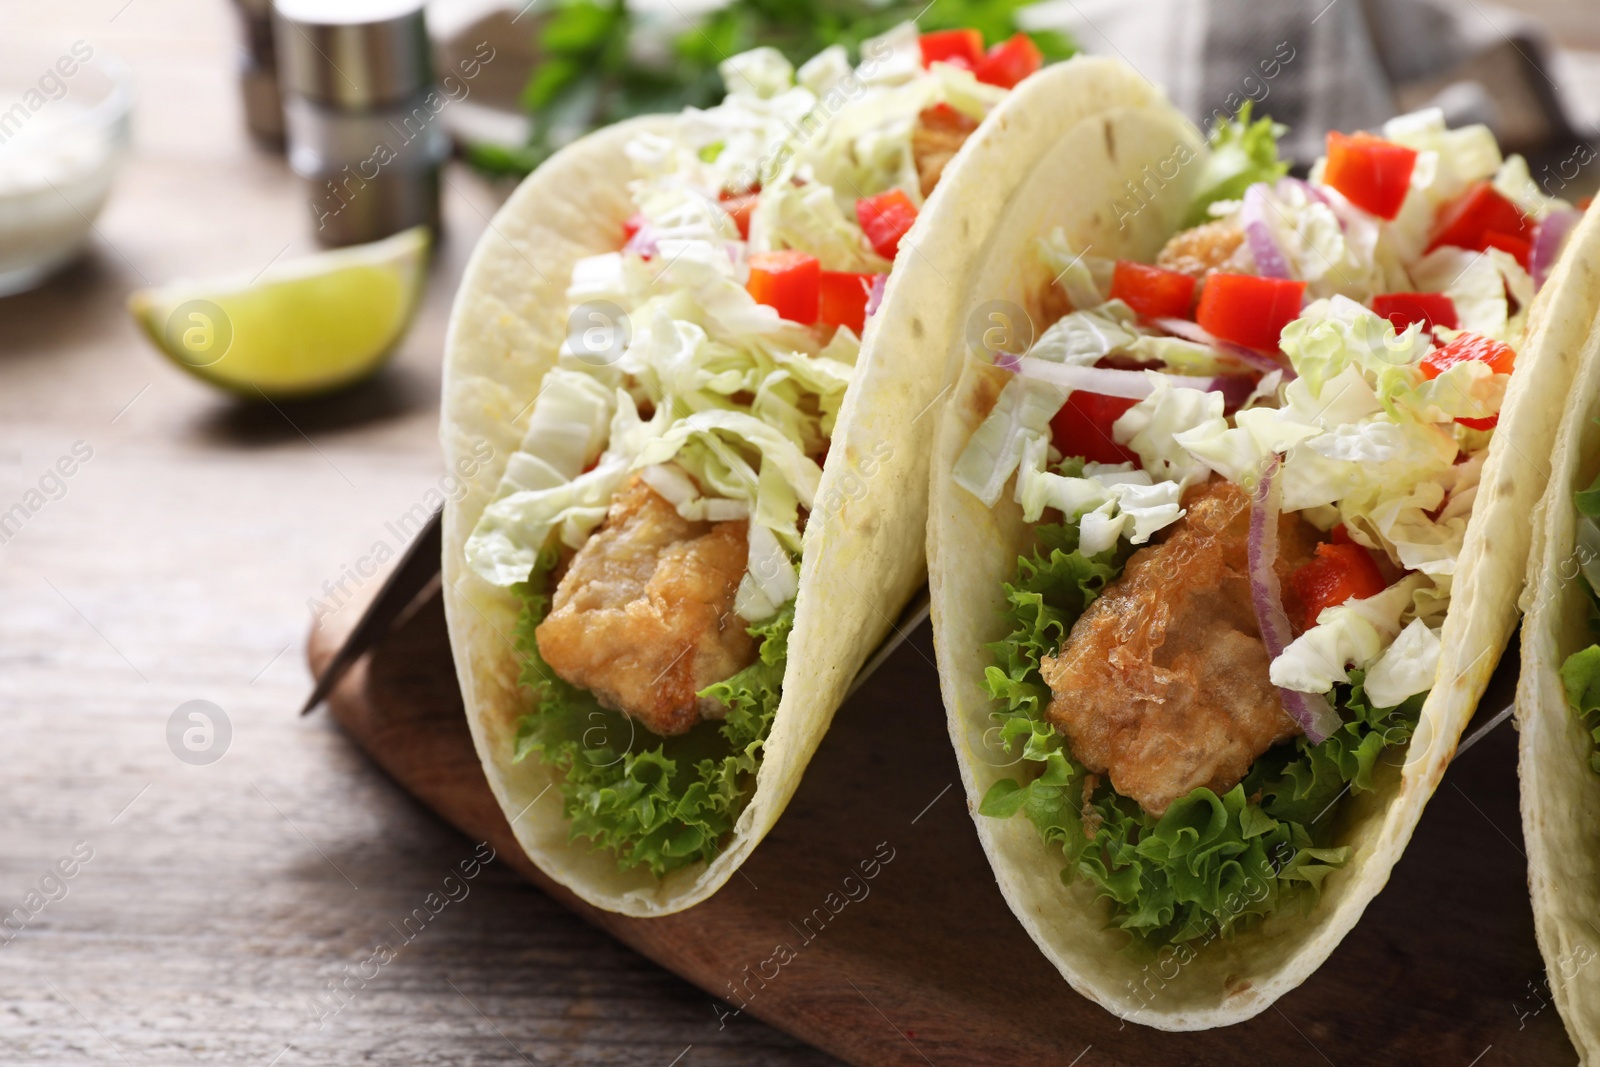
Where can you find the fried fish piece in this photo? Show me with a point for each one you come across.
(1162, 683)
(643, 617)
(938, 135)
(1212, 246)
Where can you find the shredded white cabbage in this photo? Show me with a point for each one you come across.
(1407, 667)
(741, 400)
(1108, 501)
(1352, 634)
(1149, 428)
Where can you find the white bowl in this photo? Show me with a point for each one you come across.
(63, 133)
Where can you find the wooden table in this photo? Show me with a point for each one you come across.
(220, 900)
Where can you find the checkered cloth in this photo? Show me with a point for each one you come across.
(1317, 65)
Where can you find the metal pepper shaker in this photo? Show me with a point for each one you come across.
(258, 73)
(362, 115)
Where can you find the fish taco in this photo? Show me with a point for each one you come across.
(700, 391)
(1228, 520)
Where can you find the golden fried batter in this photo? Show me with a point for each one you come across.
(1163, 682)
(1214, 246)
(644, 618)
(935, 139)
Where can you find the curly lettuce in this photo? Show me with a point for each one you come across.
(1242, 153)
(1210, 864)
(653, 802)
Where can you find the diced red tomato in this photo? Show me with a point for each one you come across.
(1480, 210)
(1430, 309)
(788, 281)
(1153, 291)
(1339, 572)
(1519, 248)
(633, 225)
(1373, 174)
(1083, 428)
(1466, 348)
(1009, 62)
(740, 205)
(1340, 535)
(961, 48)
(885, 218)
(1248, 310)
(1501, 358)
(843, 299)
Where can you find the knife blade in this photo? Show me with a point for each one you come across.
(417, 569)
(1501, 692)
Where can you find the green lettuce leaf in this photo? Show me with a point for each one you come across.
(1588, 500)
(653, 802)
(1242, 153)
(1211, 863)
(1580, 674)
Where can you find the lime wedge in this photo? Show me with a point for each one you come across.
(305, 326)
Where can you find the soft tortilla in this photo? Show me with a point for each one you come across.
(1560, 793)
(1064, 168)
(863, 553)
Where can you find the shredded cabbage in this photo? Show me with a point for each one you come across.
(1330, 254)
(1407, 667)
(1352, 634)
(1477, 283)
(1447, 162)
(1149, 428)
(1109, 501)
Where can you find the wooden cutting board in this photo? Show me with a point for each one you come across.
(924, 964)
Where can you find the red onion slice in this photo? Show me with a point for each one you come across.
(1311, 710)
(1548, 238)
(1190, 331)
(1127, 384)
(643, 242)
(1264, 247)
(875, 294)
